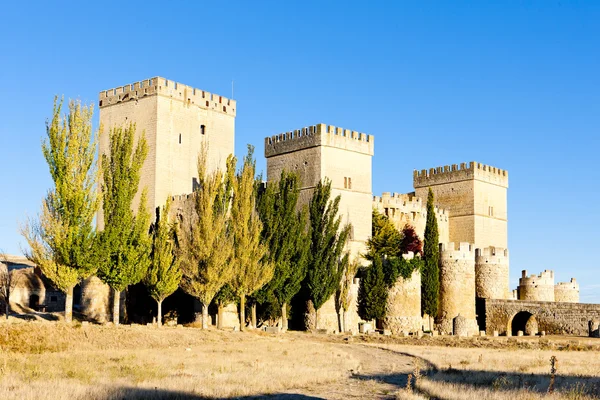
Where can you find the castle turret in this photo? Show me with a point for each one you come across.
(491, 273)
(475, 197)
(457, 286)
(403, 310)
(567, 292)
(536, 287)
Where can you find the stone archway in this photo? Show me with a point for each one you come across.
(523, 321)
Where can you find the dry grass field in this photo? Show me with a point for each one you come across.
(53, 360)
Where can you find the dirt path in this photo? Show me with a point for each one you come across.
(380, 374)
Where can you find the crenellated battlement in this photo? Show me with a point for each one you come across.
(460, 251)
(572, 284)
(319, 135)
(491, 254)
(407, 203)
(164, 87)
(464, 171)
(544, 278)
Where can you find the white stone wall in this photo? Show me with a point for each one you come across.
(492, 273)
(403, 310)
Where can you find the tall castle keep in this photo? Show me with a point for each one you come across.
(176, 120)
(343, 156)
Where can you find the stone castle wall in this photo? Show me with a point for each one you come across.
(474, 195)
(492, 273)
(457, 286)
(567, 291)
(406, 209)
(536, 287)
(403, 310)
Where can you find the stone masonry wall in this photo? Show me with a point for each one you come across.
(567, 291)
(403, 310)
(492, 273)
(552, 317)
(457, 286)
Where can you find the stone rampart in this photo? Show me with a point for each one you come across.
(457, 286)
(319, 135)
(567, 291)
(551, 317)
(164, 87)
(536, 287)
(492, 273)
(455, 173)
(403, 310)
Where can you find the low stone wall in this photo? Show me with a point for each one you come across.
(551, 317)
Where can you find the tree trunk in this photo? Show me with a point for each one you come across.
(204, 316)
(220, 316)
(116, 306)
(341, 321)
(430, 328)
(242, 312)
(284, 319)
(316, 319)
(345, 314)
(69, 305)
(7, 305)
(159, 313)
(254, 315)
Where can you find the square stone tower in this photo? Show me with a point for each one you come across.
(344, 156)
(475, 196)
(176, 120)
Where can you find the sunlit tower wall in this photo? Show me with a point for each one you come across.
(475, 196)
(324, 151)
(492, 273)
(177, 120)
(567, 292)
(536, 287)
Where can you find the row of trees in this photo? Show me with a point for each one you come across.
(385, 249)
(237, 240)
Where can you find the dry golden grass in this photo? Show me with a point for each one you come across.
(41, 360)
(503, 374)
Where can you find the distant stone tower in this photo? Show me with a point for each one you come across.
(567, 292)
(536, 287)
(474, 196)
(403, 309)
(457, 286)
(176, 119)
(491, 273)
(324, 151)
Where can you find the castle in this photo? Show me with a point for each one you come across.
(471, 202)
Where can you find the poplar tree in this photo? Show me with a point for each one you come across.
(61, 239)
(284, 232)
(430, 276)
(250, 258)
(124, 246)
(205, 240)
(344, 297)
(163, 275)
(373, 292)
(327, 241)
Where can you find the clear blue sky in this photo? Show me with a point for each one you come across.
(513, 84)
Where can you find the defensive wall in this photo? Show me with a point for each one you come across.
(403, 308)
(407, 209)
(552, 317)
(567, 291)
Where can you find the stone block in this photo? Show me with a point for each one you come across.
(594, 328)
(481, 333)
(387, 332)
(543, 333)
(365, 327)
(495, 334)
(272, 329)
(460, 326)
(520, 333)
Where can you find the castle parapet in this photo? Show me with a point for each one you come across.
(319, 135)
(455, 173)
(492, 273)
(164, 87)
(457, 251)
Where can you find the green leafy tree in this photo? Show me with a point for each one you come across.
(124, 246)
(284, 232)
(430, 277)
(205, 240)
(163, 275)
(327, 241)
(253, 268)
(385, 238)
(344, 296)
(62, 238)
(373, 292)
